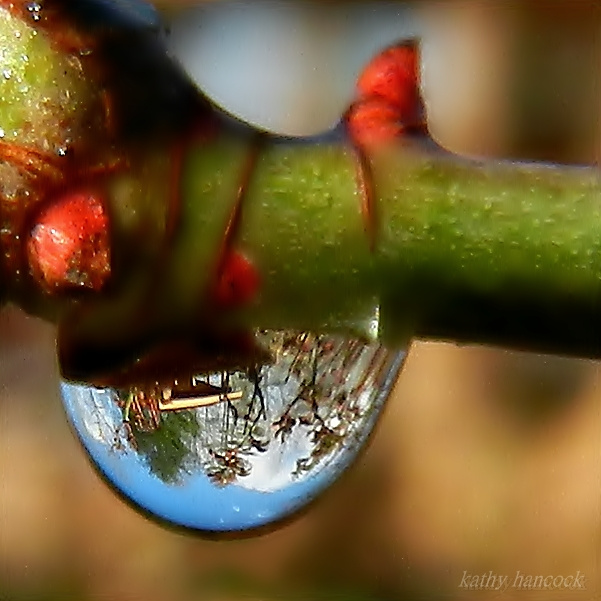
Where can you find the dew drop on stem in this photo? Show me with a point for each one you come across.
(240, 449)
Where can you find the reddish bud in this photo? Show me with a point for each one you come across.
(393, 75)
(69, 244)
(238, 282)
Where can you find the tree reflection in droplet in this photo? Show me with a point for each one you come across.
(240, 449)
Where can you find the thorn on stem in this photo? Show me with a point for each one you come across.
(238, 282)
(388, 105)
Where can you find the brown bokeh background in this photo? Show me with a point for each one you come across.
(485, 460)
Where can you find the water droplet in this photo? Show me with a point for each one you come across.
(240, 449)
(35, 9)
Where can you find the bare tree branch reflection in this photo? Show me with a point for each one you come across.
(300, 411)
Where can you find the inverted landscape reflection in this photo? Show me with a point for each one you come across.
(268, 444)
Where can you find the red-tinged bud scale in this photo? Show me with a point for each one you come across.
(69, 244)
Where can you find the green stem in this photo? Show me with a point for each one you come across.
(467, 251)
(472, 251)
(477, 252)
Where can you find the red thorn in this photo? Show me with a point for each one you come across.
(393, 76)
(69, 244)
(389, 104)
(238, 282)
(373, 121)
(389, 101)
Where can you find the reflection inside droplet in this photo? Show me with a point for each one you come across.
(238, 450)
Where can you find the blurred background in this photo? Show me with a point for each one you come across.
(484, 460)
